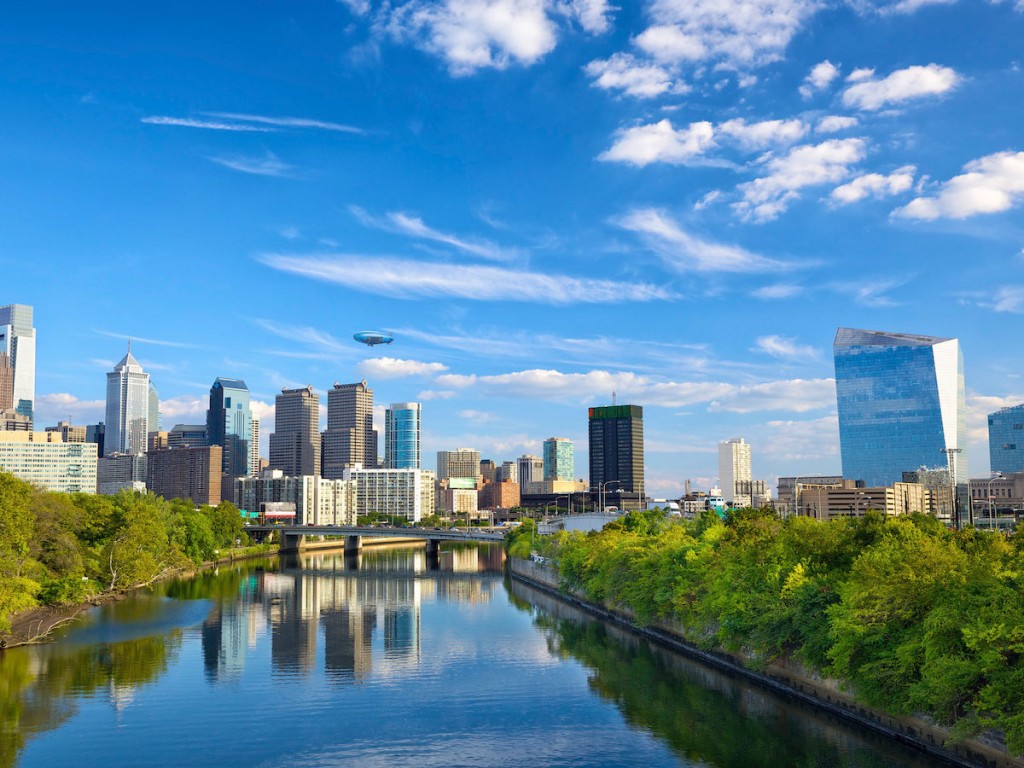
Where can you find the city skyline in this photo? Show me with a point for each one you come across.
(541, 219)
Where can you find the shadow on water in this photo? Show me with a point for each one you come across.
(705, 715)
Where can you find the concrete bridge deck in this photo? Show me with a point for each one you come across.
(293, 536)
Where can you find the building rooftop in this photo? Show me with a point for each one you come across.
(855, 337)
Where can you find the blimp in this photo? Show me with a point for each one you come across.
(373, 338)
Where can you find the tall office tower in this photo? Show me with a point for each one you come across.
(127, 420)
(402, 436)
(186, 473)
(254, 448)
(488, 470)
(507, 472)
(901, 405)
(462, 462)
(18, 343)
(531, 469)
(1006, 440)
(734, 471)
(96, 433)
(154, 408)
(295, 442)
(616, 450)
(559, 459)
(229, 425)
(6, 382)
(350, 438)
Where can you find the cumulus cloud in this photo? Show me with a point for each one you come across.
(819, 78)
(407, 279)
(871, 94)
(474, 34)
(991, 184)
(660, 143)
(184, 409)
(763, 134)
(593, 15)
(62, 406)
(737, 33)
(784, 348)
(835, 123)
(643, 79)
(685, 252)
(874, 185)
(394, 368)
(809, 165)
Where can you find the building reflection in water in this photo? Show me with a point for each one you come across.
(353, 606)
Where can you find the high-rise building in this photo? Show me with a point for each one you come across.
(460, 463)
(186, 473)
(295, 442)
(559, 459)
(154, 408)
(350, 438)
(617, 453)
(402, 436)
(901, 405)
(96, 433)
(127, 419)
(187, 436)
(734, 471)
(229, 425)
(45, 460)
(254, 448)
(488, 470)
(1006, 440)
(531, 469)
(6, 382)
(405, 492)
(507, 472)
(18, 344)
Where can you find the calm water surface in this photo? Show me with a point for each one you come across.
(388, 660)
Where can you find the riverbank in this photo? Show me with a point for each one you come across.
(790, 680)
(36, 624)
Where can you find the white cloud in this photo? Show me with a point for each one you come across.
(991, 184)
(805, 166)
(394, 368)
(835, 123)
(869, 93)
(184, 409)
(890, 8)
(874, 185)
(592, 15)
(358, 7)
(401, 278)
(480, 417)
(870, 292)
(414, 226)
(61, 406)
(286, 122)
(798, 395)
(685, 252)
(763, 134)
(1005, 298)
(660, 143)
(803, 440)
(434, 394)
(188, 122)
(785, 348)
(472, 34)
(737, 33)
(268, 165)
(145, 340)
(777, 291)
(623, 71)
(819, 78)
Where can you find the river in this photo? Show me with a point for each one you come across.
(389, 659)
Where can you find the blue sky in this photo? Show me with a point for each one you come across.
(544, 200)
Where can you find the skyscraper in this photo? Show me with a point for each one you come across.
(1006, 440)
(460, 463)
(18, 344)
(254, 448)
(295, 442)
(127, 419)
(531, 469)
(559, 459)
(229, 425)
(901, 404)
(402, 436)
(617, 452)
(154, 408)
(350, 438)
(734, 471)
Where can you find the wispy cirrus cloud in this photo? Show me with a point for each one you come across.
(237, 121)
(286, 122)
(409, 279)
(777, 291)
(212, 125)
(268, 165)
(785, 348)
(685, 252)
(413, 226)
(146, 340)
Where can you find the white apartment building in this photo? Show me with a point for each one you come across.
(734, 471)
(46, 461)
(408, 493)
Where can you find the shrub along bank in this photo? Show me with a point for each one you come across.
(913, 617)
(62, 549)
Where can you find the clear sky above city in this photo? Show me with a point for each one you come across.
(544, 200)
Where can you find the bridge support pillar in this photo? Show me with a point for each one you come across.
(292, 542)
(433, 547)
(353, 544)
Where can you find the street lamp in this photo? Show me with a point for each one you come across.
(951, 454)
(602, 489)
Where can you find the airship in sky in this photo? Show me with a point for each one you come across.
(373, 338)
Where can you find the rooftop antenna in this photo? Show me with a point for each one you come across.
(613, 397)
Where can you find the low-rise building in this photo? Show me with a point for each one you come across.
(45, 460)
(851, 501)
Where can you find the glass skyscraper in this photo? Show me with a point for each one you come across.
(901, 405)
(1006, 440)
(402, 436)
(559, 459)
(616, 434)
(127, 422)
(229, 425)
(18, 348)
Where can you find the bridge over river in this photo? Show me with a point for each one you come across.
(293, 537)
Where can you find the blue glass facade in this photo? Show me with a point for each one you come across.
(559, 459)
(901, 403)
(1006, 440)
(402, 436)
(229, 424)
